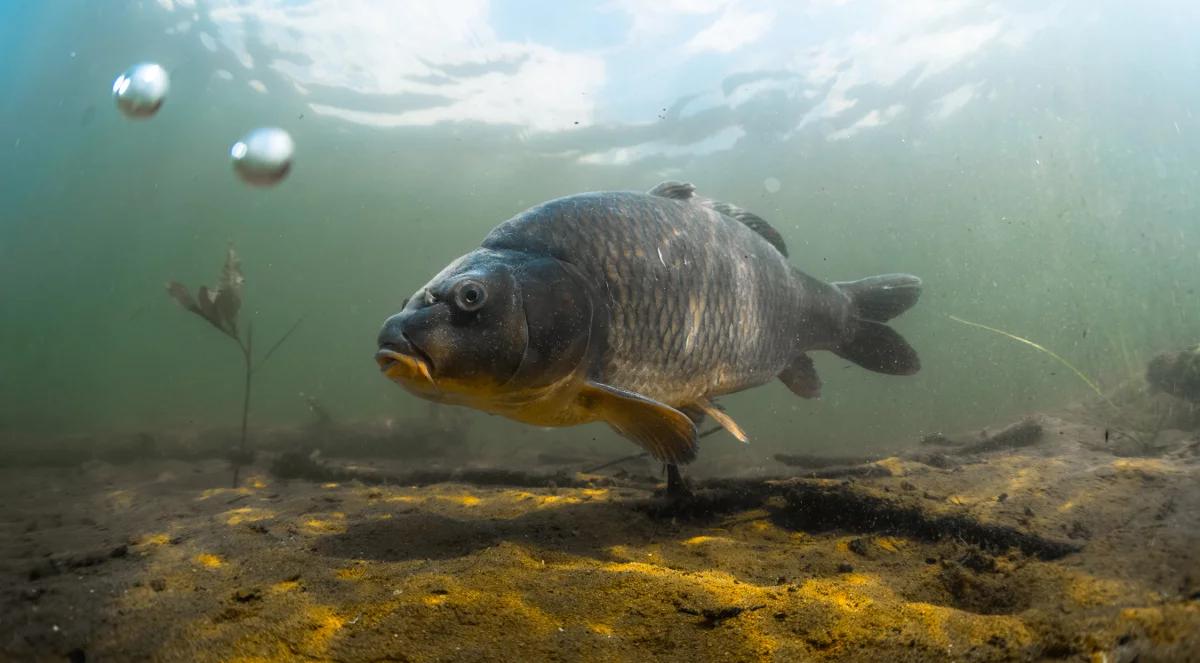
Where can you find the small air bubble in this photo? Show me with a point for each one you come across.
(772, 185)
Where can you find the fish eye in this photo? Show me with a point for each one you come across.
(469, 295)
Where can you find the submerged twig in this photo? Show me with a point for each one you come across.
(819, 462)
(1021, 434)
(618, 461)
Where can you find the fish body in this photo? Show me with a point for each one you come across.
(638, 309)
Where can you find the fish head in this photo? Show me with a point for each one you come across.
(490, 328)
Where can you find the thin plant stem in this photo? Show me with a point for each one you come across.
(247, 354)
(1064, 362)
(1119, 416)
(251, 367)
(278, 343)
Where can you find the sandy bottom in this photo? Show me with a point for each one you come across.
(162, 561)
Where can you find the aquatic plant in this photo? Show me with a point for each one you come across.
(1121, 424)
(220, 306)
(1041, 348)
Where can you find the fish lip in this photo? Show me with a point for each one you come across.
(387, 358)
(411, 354)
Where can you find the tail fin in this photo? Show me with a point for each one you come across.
(875, 346)
(881, 298)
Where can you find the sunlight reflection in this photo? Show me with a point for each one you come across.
(404, 64)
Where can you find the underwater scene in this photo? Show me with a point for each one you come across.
(689, 330)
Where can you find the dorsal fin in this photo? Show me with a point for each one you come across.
(687, 191)
(752, 221)
(674, 190)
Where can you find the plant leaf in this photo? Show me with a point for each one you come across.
(180, 294)
(226, 304)
(207, 301)
(218, 305)
(229, 290)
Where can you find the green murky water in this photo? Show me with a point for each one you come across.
(1036, 166)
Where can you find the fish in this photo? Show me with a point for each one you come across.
(637, 309)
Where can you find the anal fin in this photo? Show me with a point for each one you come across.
(877, 347)
(801, 377)
(668, 434)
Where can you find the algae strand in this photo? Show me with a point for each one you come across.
(1041, 348)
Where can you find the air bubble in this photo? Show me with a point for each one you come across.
(141, 90)
(263, 157)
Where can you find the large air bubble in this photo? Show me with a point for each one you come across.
(263, 157)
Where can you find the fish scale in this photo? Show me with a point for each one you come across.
(649, 314)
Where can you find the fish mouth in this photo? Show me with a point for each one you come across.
(402, 364)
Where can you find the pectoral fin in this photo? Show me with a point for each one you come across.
(668, 434)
